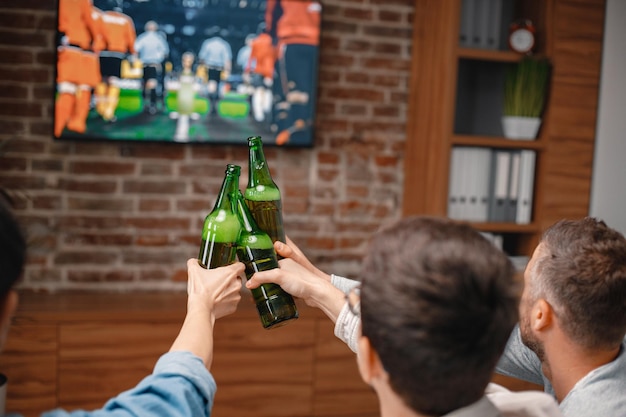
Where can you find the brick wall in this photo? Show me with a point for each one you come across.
(127, 216)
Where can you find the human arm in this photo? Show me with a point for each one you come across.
(180, 384)
(211, 294)
(300, 282)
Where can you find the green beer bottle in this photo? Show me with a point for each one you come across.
(221, 226)
(262, 196)
(256, 250)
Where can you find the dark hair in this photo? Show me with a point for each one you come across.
(438, 303)
(583, 274)
(12, 248)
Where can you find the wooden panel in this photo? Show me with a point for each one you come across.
(339, 389)
(29, 362)
(515, 384)
(98, 361)
(263, 372)
(570, 124)
(430, 113)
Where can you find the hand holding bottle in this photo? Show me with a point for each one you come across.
(292, 251)
(217, 292)
(300, 278)
(212, 293)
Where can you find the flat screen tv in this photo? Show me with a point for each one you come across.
(188, 71)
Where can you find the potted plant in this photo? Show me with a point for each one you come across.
(525, 92)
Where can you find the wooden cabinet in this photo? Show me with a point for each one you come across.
(454, 102)
(77, 350)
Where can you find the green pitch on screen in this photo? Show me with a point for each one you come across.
(130, 103)
(200, 105)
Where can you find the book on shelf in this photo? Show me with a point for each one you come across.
(526, 186)
(501, 171)
(481, 23)
(491, 185)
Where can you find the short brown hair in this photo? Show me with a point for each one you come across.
(438, 303)
(583, 274)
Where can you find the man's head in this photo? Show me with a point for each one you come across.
(438, 303)
(151, 26)
(12, 259)
(578, 271)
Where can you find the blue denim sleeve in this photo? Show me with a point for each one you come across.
(180, 385)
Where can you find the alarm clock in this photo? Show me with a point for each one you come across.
(522, 36)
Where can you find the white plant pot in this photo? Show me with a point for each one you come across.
(516, 127)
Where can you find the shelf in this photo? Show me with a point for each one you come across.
(496, 142)
(489, 55)
(505, 227)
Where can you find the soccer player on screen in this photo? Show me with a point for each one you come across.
(77, 64)
(260, 71)
(295, 26)
(152, 49)
(119, 36)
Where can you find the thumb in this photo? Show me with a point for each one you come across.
(283, 250)
(263, 277)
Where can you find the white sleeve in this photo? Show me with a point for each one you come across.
(522, 403)
(343, 284)
(347, 327)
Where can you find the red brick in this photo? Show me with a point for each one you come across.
(196, 205)
(180, 276)
(38, 75)
(91, 221)
(153, 187)
(20, 108)
(390, 16)
(47, 202)
(100, 239)
(102, 168)
(88, 186)
(327, 157)
(360, 14)
(153, 257)
(154, 205)
(156, 168)
(17, 19)
(11, 90)
(100, 276)
(100, 204)
(159, 223)
(361, 94)
(12, 164)
(386, 161)
(321, 243)
(150, 240)
(84, 257)
(46, 58)
(157, 151)
(386, 111)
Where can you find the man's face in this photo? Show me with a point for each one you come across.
(527, 302)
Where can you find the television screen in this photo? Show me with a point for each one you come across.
(189, 71)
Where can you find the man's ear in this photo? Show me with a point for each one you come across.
(542, 315)
(370, 366)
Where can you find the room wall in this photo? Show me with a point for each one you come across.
(608, 199)
(127, 216)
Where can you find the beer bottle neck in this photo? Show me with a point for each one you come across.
(230, 184)
(245, 217)
(259, 171)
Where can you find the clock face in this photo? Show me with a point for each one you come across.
(522, 40)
